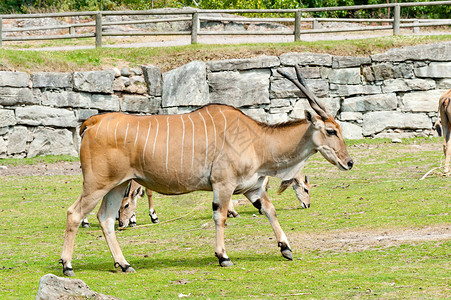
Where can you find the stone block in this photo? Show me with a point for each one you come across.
(426, 101)
(349, 61)
(244, 88)
(141, 104)
(186, 86)
(66, 99)
(94, 81)
(444, 84)
(432, 52)
(257, 114)
(13, 79)
(105, 102)
(50, 141)
(3, 148)
(19, 96)
(17, 140)
(47, 116)
(51, 80)
(405, 85)
(280, 103)
(305, 58)
(243, 64)
(345, 76)
(375, 122)
(154, 80)
(352, 90)
(7, 118)
(307, 72)
(282, 88)
(351, 116)
(84, 114)
(435, 70)
(277, 118)
(351, 131)
(378, 102)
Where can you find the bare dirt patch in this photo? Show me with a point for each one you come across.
(354, 241)
(60, 168)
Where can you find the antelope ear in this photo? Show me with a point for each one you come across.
(309, 117)
(306, 179)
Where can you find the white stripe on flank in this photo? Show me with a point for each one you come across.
(98, 127)
(145, 144)
(156, 135)
(167, 144)
(115, 133)
(224, 132)
(192, 155)
(214, 128)
(183, 141)
(137, 133)
(126, 132)
(206, 138)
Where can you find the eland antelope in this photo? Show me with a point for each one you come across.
(215, 148)
(444, 108)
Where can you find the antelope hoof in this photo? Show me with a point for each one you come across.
(155, 221)
(232, 214)
(286, 251)
(132, 224)
(125, 269)
(85, 225)
(68, 272)
(287, 254)
(225, 262)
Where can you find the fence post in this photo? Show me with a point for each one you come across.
(195, 27)
(396, 19)
(297, 26)
(98, 30)
(416, 29)
(315, 24)
(71, 30)
(1, 32)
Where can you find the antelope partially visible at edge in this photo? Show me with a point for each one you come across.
(215, 148)
(444, 108)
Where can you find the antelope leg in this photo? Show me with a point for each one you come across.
(221, 200)
(259, 198)
(152, 212)
(107, 216)
(76, 212)
(447, 148)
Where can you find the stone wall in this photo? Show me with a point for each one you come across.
(393, 94)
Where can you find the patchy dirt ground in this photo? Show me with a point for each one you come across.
(60, 168)
(354, 241)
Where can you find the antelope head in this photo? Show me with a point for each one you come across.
(129, 203)
(327, 136)
(301, 187)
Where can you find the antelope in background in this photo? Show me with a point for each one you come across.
(215, 148)
(126, 213)
(444, 108)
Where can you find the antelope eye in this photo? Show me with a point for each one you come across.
(127, 205)
(331, 132)
(306, 190)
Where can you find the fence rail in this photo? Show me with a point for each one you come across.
(196, 17)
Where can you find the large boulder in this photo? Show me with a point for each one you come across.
(375, 122)
(48, 116)
(51, 80)
(54, 287)
(243, 88)
(13, 79)
(49, 141)
(94, 81)
(186, 86)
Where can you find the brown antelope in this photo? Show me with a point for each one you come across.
(301, 187)
(445, 115)
(215, 148)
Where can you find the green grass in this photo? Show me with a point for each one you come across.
(168, 58)
(37, 160)
(380, 195)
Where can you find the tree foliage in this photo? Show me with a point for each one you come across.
(29, 6)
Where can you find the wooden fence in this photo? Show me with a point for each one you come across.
(196, 16)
